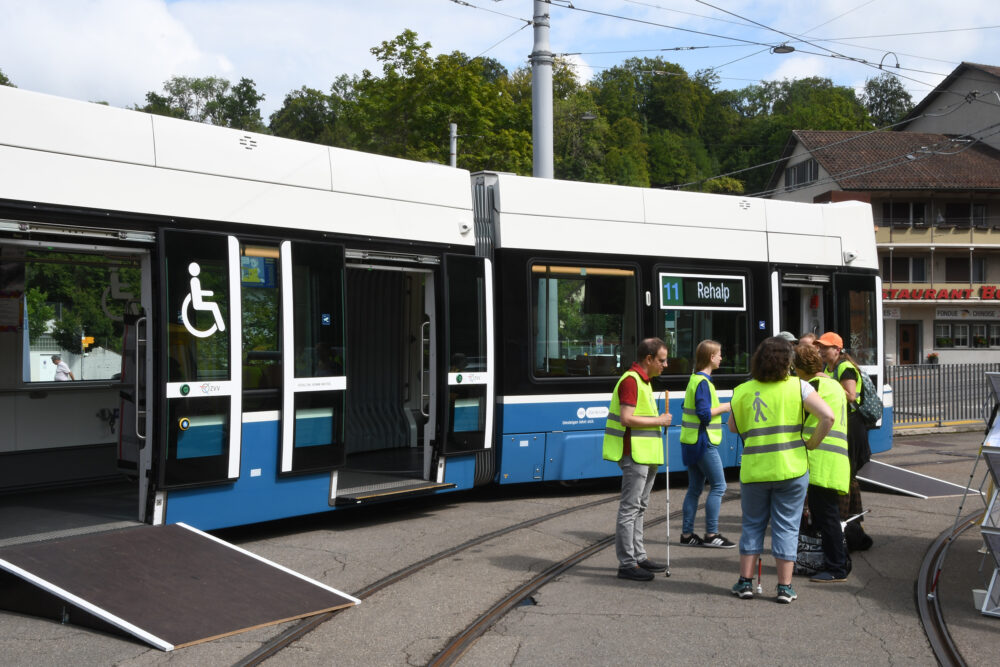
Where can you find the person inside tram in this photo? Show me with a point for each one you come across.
(63, 373)
(829, 470)
(768, 412)
(843, 368)
(701, 435)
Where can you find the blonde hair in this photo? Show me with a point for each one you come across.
(703, 354)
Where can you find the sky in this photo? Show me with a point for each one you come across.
(118, 50)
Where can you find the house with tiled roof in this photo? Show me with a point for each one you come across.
(936, 204)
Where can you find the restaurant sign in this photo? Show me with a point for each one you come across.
(984, 292)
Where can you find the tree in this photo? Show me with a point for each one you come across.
(208, 100)
(626, 157)
(886, 99)
(4, 81)
(306, 115)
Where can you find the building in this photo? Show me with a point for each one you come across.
(934, 188)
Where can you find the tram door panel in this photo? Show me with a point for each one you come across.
(314, 383)
(202, 411)
(468, 386)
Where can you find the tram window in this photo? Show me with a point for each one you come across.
(74, 306)
(682, 330)
(260, 283)
(856, 303)
(583, 320)
(696, 307)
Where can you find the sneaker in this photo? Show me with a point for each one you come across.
(743, 589)
(785, 594)
(717, 541)
(652, 566)
(827, 577)
(635, 573)
(692, 540)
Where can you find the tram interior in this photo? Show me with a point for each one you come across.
(387, 406)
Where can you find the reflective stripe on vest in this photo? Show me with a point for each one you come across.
(647, 443)
(769, 415)
(829, 465)
(690, 423)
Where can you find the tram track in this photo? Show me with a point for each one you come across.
(309, 624)
(463, 641)
(928, 600)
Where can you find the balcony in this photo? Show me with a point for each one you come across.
(936, 235)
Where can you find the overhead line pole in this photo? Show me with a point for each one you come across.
(541, 94)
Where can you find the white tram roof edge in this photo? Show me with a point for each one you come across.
(567, 215)
(67, 152)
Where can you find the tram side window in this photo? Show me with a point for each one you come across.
(583, 320)
(71, 309)
(682, 330)
(856, 303)
(696, 307)
(260, 281)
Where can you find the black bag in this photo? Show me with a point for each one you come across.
(809, 557)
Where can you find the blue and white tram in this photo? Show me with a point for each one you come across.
(273, 328)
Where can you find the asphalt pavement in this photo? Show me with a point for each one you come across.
(588, 616)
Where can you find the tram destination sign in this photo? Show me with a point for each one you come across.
(693, 291)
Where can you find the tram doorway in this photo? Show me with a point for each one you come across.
(73, 375)
(391, 370)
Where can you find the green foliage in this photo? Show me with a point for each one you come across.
(886, 99)
(40, 313)
(4, 81)
(209, 99)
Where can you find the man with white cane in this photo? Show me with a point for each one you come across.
(633, 437)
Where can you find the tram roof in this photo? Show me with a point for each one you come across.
(567, 215)
(89, 155)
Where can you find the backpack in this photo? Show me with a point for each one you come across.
(871, 401)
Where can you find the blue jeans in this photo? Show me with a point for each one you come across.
(709, 467)
(781, 503)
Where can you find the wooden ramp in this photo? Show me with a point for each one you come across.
(171, 586)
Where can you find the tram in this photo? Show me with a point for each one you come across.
(261, 328)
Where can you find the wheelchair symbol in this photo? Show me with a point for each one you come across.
(196, 299)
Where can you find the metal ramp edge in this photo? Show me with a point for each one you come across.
(906, 481)
(169, 586)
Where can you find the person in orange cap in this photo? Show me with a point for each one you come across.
(842, 367)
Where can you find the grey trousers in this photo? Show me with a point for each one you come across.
(637, 482)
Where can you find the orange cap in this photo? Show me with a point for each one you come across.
(830, 339)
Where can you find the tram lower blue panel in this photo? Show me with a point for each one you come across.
(568, 439)
(880, 439)
(460, 471)
(258, 495)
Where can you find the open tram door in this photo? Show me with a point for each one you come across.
(466, 389)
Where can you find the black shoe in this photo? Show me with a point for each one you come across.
(652, 566)
(692, 540)
(718, 541)
(635, 573)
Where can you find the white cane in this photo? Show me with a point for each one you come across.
(666, 479)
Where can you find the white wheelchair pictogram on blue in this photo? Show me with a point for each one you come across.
(196, 299)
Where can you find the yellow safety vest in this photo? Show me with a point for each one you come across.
(829, 466)
(769, 417)
(647, 442)
(690, 424)
(836, 373)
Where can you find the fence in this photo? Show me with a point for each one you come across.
(940, 394)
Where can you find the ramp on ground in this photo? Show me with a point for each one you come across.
(171, 586)
(906, 481)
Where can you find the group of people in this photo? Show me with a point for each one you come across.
(803, 442)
